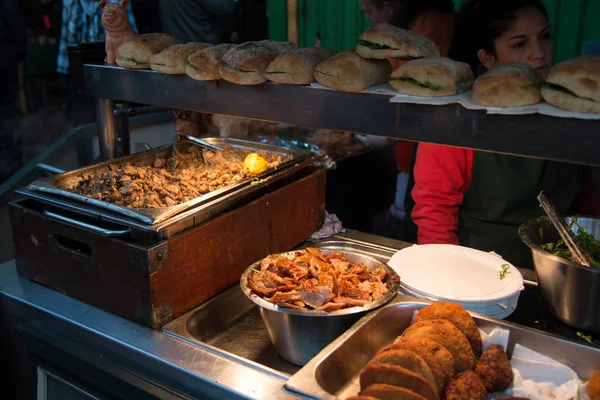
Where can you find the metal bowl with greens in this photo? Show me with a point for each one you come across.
(585, 240)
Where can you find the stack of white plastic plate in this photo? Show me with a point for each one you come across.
(481, 282)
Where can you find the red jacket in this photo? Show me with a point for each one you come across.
(442, 176)
(438, 28)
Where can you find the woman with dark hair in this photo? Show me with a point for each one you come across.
(479, 199)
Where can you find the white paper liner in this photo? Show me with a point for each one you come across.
(436, 101)
(536, 377)
(466, 100)
(384, 89)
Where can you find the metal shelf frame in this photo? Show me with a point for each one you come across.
(539, 136)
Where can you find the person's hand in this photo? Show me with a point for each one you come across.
(235, 37)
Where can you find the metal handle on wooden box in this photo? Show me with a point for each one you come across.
(84, 225)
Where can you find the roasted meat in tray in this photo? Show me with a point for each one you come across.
(140, 186)
(199, 171)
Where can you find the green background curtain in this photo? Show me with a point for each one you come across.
(341, 21)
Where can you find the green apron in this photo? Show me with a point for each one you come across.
(503, 194)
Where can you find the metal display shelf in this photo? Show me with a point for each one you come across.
(570, 140)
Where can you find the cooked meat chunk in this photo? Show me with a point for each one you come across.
(199, 171)
(456, 314)
(466, 386)
(319, 281)
(494, 369)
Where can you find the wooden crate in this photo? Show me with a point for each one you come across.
(152, 285)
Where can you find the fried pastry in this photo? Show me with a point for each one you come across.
(408, 360)
(456, 314)
(388, 392)
(449, 336)
(396, 376)
(438, 358)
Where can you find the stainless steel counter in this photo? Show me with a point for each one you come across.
(59, 329)
(146, 359)
(65, 333)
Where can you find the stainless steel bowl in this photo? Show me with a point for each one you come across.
(299, 335)
(571, 290)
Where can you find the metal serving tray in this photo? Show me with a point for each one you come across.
(231, 322)
(55, 185)
(334, 372)
(111, 223)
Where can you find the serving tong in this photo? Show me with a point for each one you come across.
(565, 232)
(172, 161)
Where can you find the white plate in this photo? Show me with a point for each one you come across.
(456, 273)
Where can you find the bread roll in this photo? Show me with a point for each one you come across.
(137, 51)
(279, 47)
(297, 67)
(173, 59)
(432, 77)
(508, 85)
(574, 85)
(349, 72)
(245, 64)
(383, 41)
(203, 65)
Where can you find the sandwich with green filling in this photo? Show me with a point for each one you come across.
(432, 77)
(136, 52)
(349, 72)
(382, 41)
(203, 65)
(297, 66)
(511, 84)
(173, 59)
(246, 64)
(574, 85)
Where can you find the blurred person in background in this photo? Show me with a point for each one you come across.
(147, 15)
(207, 21)
(12, 52)
(435, 20)
(251, 21)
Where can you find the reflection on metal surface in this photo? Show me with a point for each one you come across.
(52, 387)
(130, 351)
(107, 137)
(334, 372)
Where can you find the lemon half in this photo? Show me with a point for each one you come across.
(255, 163)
